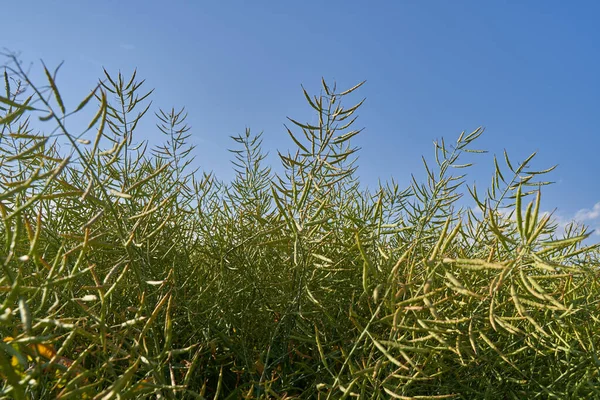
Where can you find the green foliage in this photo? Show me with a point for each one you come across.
(125, 274)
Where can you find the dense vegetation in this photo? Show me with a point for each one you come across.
(127, 275)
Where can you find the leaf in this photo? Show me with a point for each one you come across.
(87, 99)
(296, 140)
(118, 386)
(120, 194)
(386, 353)
(16, 105)
(109, 78)
(25, 315)
(352, 89)
(30, 150)
(555, 244)
(8, 118)
(101, 112)
(47, 117)
(520, 225)
(54, 88)
(474, 135)
(325, 87)
(312, 104)
(305, 126)
(131, 80)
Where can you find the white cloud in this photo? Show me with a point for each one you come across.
(127, 46)
(558, 219)
(586, 214)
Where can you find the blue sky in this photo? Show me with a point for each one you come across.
(528, 71)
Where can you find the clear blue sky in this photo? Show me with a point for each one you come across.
(526, 70)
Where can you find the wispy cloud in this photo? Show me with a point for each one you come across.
(127, 46)
(590, 217)
(585, 216)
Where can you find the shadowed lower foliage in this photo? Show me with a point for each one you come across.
(125, 274)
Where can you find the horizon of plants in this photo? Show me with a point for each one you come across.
(127, 274)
